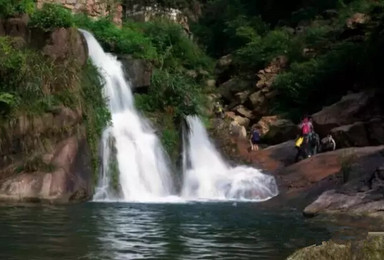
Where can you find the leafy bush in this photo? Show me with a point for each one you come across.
(10, 8)
(309, 85)
(175, 50)
(171, 92)
(123, 40)
(261, 50)
(51, 16)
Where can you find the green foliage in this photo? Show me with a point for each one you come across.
(175, 50)
(261, 50)
(96, 113)
(309, 85)
(171, 92)
(51, 16)
(126, 40)
(170, 140)
(9, 8)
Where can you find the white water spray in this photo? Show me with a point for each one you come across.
(207, 176)
(144, 173)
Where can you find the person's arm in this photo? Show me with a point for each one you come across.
(333, 144)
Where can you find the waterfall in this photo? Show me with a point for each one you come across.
(143, 172)
(207, 176)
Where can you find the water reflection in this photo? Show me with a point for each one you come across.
(157, 231)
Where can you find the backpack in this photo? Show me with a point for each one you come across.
(305, 129)
(255, 136)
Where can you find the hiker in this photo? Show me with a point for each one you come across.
(219, 112)
(255, 139)
(328, 144)
(306, 126)
(306, 129)
(301, 145)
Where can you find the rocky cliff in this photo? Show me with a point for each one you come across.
(45, 149)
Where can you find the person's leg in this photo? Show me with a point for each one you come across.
(297, 154)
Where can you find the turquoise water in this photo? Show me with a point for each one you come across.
(156, 231)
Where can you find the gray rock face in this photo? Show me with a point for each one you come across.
(356, 120)
(138, 72)
(359, 202)
(350, 109)
(351, 135)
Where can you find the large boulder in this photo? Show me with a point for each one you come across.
(276, 157)
(351, 135)
(223, 64)
(229, 89)
(358, 202)
(237, 130)
(243, 111)
(375, 131)
(243, 121)
(275, 130)
(69, 178)
(369, 248)
(242, 96)
(137, 71)
(323, 171)
(350, 109)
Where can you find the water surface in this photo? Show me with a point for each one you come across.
(156, 231)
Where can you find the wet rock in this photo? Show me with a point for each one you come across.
(138, 72)
(70, 178)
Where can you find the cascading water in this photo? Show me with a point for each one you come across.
(143, 169)
(207, 176)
